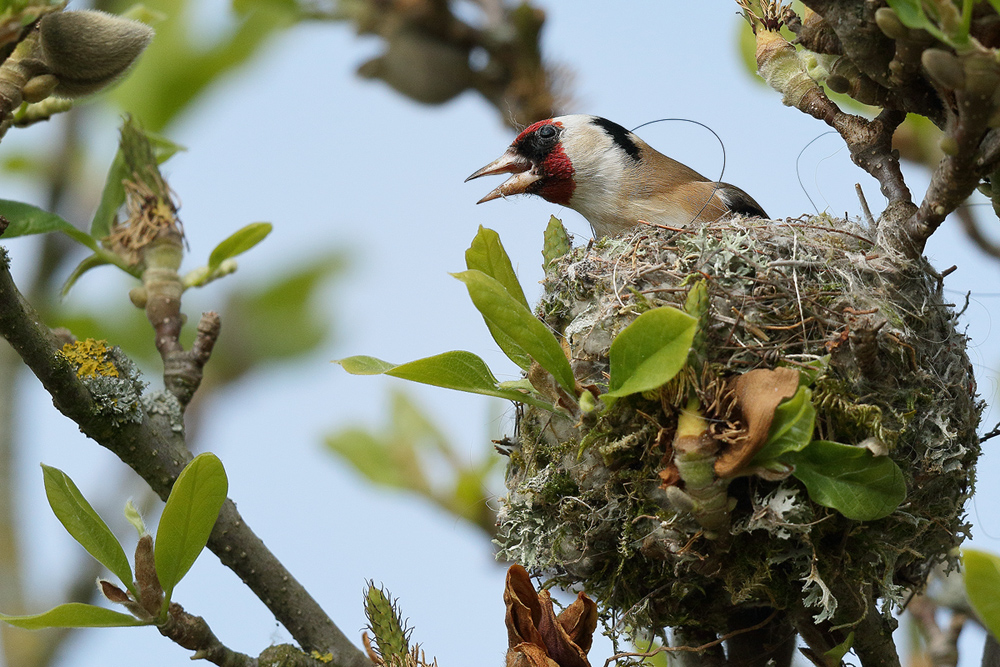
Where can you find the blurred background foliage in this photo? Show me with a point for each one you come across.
(430, 55)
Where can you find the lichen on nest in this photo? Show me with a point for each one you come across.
(588, 499)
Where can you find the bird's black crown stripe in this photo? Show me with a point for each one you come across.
(619, 135)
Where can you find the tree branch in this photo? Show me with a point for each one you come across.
(942, 645)
(147, 442)
(192, 632)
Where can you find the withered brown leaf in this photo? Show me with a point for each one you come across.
(757, 394)
(539, 638)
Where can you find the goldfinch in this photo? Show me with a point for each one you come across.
(611, 177)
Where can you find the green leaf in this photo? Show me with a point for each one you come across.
(835, 656)
(88, 263)
(849, 479)
(26, 219)
(188, 518)
(82, 522)
(462, 371)
(74, 615)
(521, 335)
(982, 585)
(791, 428)
(556, 241)
(238, 243)
(812, 371)
(911, 14)
(487, 254)
(134, 517)
(113, 195)
(650, 351)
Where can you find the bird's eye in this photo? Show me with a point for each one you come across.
(546, 131)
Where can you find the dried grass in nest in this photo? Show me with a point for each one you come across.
(586, 502)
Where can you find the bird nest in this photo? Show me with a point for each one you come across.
(589, 501)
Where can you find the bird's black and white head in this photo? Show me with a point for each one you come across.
(564, 159)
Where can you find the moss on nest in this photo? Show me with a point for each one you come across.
(587, 504)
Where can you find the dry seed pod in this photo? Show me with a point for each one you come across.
(88, 50)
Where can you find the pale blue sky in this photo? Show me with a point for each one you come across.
(334, 161)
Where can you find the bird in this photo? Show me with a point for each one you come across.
(611, 177)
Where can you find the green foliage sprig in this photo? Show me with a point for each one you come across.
(187, 520)
(644, 356)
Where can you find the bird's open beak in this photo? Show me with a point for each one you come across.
(508, 163)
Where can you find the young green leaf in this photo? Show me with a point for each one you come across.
(791, 428)
(487, 254)
(89, 262)
(982, 585)
(188, 518)
(835, 656)
(521, 335)
(74, 615)
(238, 243)
(459, 370)
(556, 241)
(849, 479)
(650, 351)
(26, 219)
(82, 522)
(134, 517)
(911, 14)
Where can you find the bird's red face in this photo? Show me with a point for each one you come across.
(539, 164)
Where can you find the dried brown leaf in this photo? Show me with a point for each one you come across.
(757, 393)
(537, 637)
(524, 613)
(529, 655)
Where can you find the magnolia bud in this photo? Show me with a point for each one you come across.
(944, 67)
(88, 50)
(39, 87)
(890, 25)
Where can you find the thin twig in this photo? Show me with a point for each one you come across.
(864, 206)
(994, 432)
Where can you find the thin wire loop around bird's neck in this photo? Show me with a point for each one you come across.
(718, 181)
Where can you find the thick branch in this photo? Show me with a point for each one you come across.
(151, 447)
(872, 52)
(958, 173)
